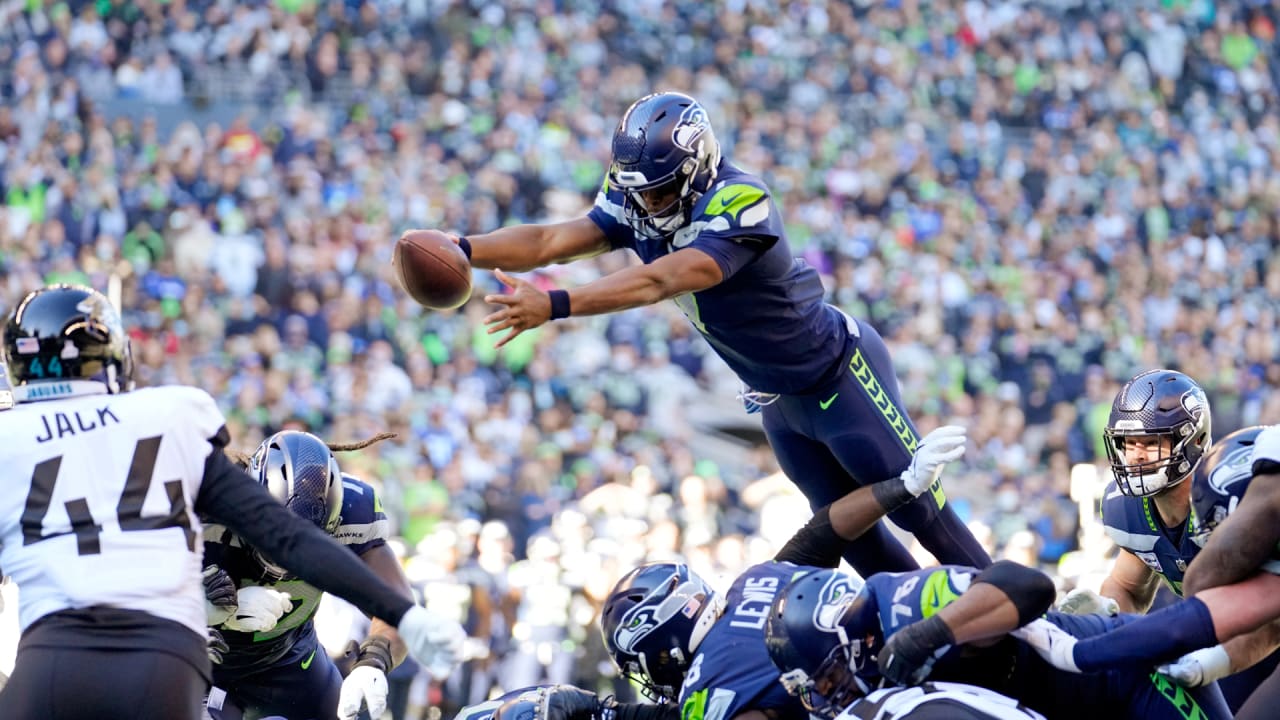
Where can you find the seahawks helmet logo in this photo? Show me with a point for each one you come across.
(691, 126)
(642, 620)
(834, 599)
(1233, 468)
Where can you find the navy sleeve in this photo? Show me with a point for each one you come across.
(230, 496)
(738, 222)
(364, 523)
(607, 215)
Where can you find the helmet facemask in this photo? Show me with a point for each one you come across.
(656, 209)
(835, 684)
(1168, 457)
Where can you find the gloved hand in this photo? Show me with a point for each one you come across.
(1199, 668)
(943, 445)
(219, 595)
(566, 702)
(1051, 642)
(365, 685)
(434, 641)
(1083, 601)
(217, 646)
(908, 657)
(259, 609)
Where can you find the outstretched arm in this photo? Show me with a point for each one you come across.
(521, 248)
(684, 271)
(1213, 616)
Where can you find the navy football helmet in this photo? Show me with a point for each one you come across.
(814, 636)
(665, 156)
(1164, 409)
(653, 622)
(300, 470)
(66, 340)
(1220, 480)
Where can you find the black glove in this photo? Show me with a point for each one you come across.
(219, 594)
(566, 702)
(217, 647)
(908, 657)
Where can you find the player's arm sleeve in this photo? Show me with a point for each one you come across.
(606, 213)
(646, 711)
(824, 538)
(740, 223)
(815, 545)
(230, 496)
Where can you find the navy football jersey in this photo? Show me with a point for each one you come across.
(893, 601)
(1010, 666)
(767, 318)
(363, 527)
(731, 672)
(1134, 524)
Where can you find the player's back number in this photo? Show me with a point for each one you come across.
(128, 510)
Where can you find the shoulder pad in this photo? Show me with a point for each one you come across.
(736, 203)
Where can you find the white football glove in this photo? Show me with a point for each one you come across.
(943, 445)
(1051, 642)
(435, 641)
(1199, 668)
(259, 609)
(365, 684)
(1083, 601)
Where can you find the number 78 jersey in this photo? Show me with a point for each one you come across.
(97, 501)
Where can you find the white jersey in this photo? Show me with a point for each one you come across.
(98, 502)
(899, 701)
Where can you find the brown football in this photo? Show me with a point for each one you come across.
(432, 269)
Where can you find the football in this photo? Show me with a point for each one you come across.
(432, 269)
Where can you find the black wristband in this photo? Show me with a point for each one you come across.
(892, 494)
(559, 304)
(375, 652)
(465, 244)
(927, 637)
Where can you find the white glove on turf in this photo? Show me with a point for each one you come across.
(434, 641)
(943, 445)
(1199, 668)
(259, 609)
(1083, 601)
(1051, 642)
(365, 685)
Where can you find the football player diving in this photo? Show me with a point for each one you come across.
(273, 663)
(1232, 586)
(711, 238)
(701, 655)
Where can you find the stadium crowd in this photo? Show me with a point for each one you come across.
(1031, 201)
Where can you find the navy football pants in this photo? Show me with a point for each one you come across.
(302, 685)
(853, 432)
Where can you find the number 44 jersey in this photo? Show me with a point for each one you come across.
(98, 497)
